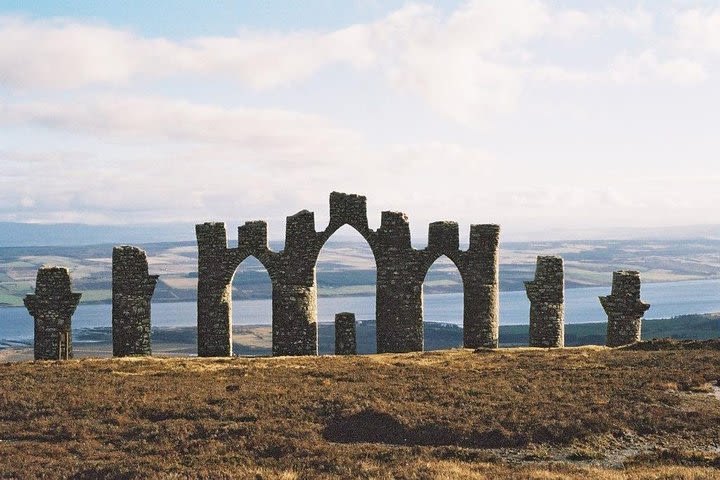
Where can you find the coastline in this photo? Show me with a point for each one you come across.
(256, 340)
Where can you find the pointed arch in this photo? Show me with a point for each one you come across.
(346, 273)
(251, 312)
(443, 303)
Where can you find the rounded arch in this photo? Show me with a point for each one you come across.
(346, 271)
(443, 304)
(251, 314)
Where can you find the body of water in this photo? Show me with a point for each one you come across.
(581, 306)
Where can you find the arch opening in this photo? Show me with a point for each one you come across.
(346, 278)
(443, 305)
(251, 309)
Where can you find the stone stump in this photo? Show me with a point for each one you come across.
(624, 309)
(132, 289)
(52, 306)
(345, 342)
(547, 303)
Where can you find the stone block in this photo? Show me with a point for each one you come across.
(345, 341)
(444, 237)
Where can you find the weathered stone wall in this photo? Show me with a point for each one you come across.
(624, 309)
(401, 270)
(345, 341)
(547, 303)
(132, 289)
(52, 306)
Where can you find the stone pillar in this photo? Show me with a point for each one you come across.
(624, 309)
(294, 323)
(481, 283)
(294, 313)
(52, 306)
(132, 289)
(400, 275)
(547, 303)
(214, 296)
(345, 342)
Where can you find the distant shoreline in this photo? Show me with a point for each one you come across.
(256, 340)
(570, 286)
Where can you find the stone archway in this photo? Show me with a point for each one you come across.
(400, 272)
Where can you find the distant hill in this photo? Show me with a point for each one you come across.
(14, 234)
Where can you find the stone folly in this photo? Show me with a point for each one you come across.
(547, 303)
(345, 343)
(401, 270)
(132, 289)
(624, 309)
(52, 306)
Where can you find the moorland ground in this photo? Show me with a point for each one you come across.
(514, 413)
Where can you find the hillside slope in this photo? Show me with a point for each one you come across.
(521, 413)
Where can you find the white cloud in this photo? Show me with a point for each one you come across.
(466, 64)
(154, 119)
(646, 66)
(697, 30)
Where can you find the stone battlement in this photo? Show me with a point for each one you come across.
(401, 270)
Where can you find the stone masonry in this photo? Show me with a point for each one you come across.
(401, 270)
(547, 303)
(132, 289)
(345, 342)
(624, 309)
(52, 306)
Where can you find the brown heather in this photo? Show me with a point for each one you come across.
(521, 413)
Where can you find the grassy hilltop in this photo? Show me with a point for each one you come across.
(523, 413)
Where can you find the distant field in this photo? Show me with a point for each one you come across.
(347, 267)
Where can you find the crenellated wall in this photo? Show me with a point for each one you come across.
(401, 270)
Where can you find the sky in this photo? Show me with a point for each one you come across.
(537, 115)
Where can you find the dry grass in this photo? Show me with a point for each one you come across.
(524, 413)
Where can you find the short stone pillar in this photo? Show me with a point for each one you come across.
(624, 309)
(547, 303)
(132, 289)
(52, 306)
(345, 342)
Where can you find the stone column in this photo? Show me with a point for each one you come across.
(399, 294)
(214, 296)
(294, 324)
(547, 303)
(481, 283)
(52, 306)
(294, 318)
(624, 309)
(132, 289)
(345, 342)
